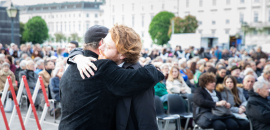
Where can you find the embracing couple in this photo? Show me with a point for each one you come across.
(114, 92)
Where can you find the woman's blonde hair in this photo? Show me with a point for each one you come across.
(170, 77)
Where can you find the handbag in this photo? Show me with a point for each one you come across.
(221, 111)
(9, 105)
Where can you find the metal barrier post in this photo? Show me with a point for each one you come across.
(4, 115)
(15, 102)
(19, 94)
(47, 104)
(31, 101)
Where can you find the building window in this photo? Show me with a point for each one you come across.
(61, 26)
(227, 21)
(142, 8)
(113, 20)
(200, 22)
(214, 2)
(242, 1)
(122, 7)
(133, 18)
(123, 19)
(213, 22)
(200, 31)
(269, 16)
(87, 15)
(56, 26)
(256, 17)
(227, 31)
(96, 15)
(201, 3)
(74, 26)
(73, 15)
(87, 25)
(113, 8)
(152, 16)
(69, 26)
(142, 34)
(142, 20)
(255, 32)
(228, 2)
(187, 3)
(256, 0)
(79, 15)
(79, 26)
(213, 31)
(152, 7)
(133, 7)
(56, 16)
(52, 27)
(65, 26)
(241, 19)
(163, 6)
(268, 31)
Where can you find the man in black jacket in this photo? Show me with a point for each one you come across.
(258, 107)
(114, 82)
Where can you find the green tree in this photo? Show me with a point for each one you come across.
(74, 37)
(159, 27)
(59, 37)
(21, 32)
(36, 30)
(187, 25)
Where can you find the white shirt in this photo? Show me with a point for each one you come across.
(121, 65)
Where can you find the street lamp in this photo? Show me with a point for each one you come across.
(12, 12)
(244, 28)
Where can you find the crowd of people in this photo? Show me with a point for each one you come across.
(34, 61)
(236, 80)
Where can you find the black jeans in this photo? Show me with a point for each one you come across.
(230, 124)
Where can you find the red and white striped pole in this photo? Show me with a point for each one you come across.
(4, 114)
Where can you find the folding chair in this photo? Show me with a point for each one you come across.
(162, 116)
(177, 105)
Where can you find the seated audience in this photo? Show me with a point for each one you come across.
(175, 83)
(258, 110)
(32, 78)
(234, 95)
(40, 66)
(4, 72)
(265, 76)
(161, 91)
(249, 81)
(206, 98)
(221, 73)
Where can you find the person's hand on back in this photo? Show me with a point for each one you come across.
(84, 65)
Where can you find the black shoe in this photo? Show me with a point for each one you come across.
(57, 112)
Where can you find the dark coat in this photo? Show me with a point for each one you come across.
(258, 110)
(219, 80)
(131, 111)
(31, 77)
(203, 104)
(90, 103)
(138, 111)
(54, 88)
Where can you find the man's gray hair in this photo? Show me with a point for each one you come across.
(259, 85)
(23, 63)
(29, 62)
(39, 62)
(94, 45)
(266, 70)
(249, 76)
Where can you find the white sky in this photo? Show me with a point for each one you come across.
(33, 2)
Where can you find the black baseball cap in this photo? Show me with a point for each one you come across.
(95, 33)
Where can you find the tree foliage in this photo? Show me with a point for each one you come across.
(159, 27)
(60, 37)
(74, 37)
(21, 32)
(187, 25)
(36, 30)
